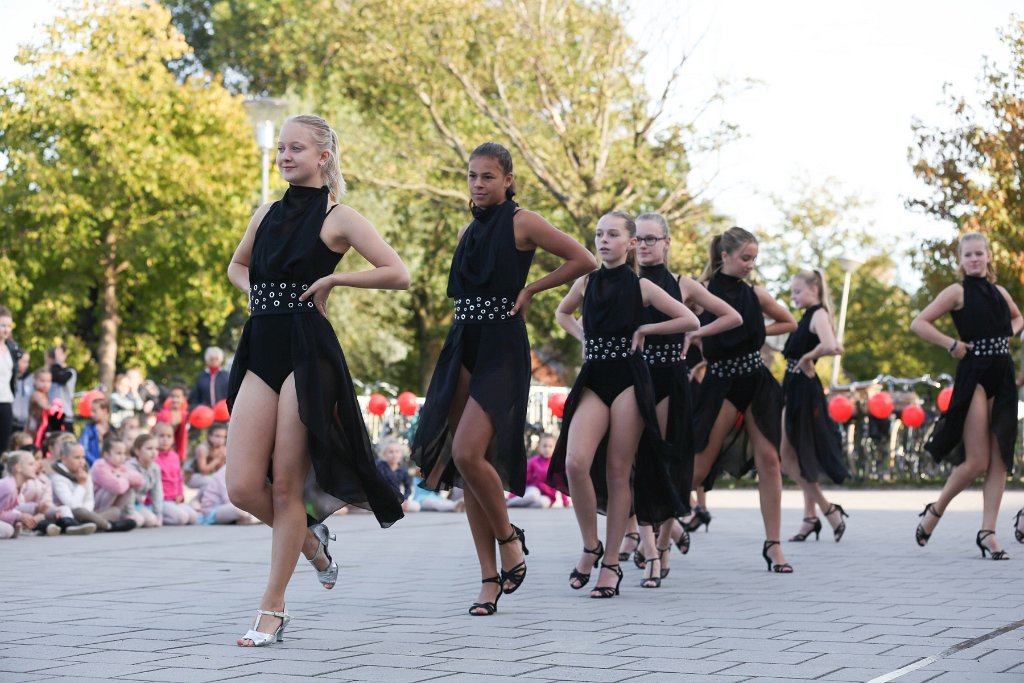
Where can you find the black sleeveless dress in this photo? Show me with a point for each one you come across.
(814, 435)
(284, 335)
(736, 373)
(612, 310)
(486, 276)
(984, 320)
(670, 376)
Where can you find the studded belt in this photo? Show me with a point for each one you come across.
(663, 354)
(278, 298)
(996, 346)
(746, 364)
(606, 348)
(476, 310)
(793, 365)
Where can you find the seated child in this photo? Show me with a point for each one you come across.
(208, 457)
(18, 466)
(149, 495)
(538, 493)
(175, 510)
(113, 483)
(216, 507)
(391, 468)
(432, 501)
(36, 496)
(72, 486)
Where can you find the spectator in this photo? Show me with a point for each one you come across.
(24, 385)
(96, 431)
(64, 380)
(147, 390)
(211, 384)
(216, 507)
(20, 441)
(433, 501)
(391, 468)
(176, 415)
(129, 429)
(149, 496)
(113, 483)
(36, 496)
(19, 466)
(538, 493)
(175, 511)
(208, 457)
(72, 486)
(45, 416)
(10, 354)
(125, 402)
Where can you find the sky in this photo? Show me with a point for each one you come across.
(838, 86)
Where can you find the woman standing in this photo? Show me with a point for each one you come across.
(610, 417)
(293, 403)
(980, 428)
(666, 359)
(738, 383)
(810, 439)
(471, 426)
(10, 354)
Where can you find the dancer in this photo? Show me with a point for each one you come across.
(293, 404)
(666, 359)
(473, 419)
(610, 417)
(810, 439)
(980, 428)
(737, 382)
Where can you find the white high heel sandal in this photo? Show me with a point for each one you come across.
(261, 639)
(328, 577)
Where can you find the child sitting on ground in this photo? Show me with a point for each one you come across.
(18, 466)
(113, 482)
(175, 511)
(72, 486)
(538, 493)
(95, 433)
(148, 497)
(36, 496)
(208, 457)
(391, 468)
(216, 507)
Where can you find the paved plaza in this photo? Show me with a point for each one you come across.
(168, 604)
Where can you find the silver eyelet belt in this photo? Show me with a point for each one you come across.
(278, 298)
(606, 348)
(996, 346)
(474, 309)
(733, 367)
(793, 365)
(663, 354)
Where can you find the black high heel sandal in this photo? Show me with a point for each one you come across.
(488, 607)
(1018, 533)
(661, 552)
(579, 576)
(652, 581)
(815, 529)
(608, 591)
(700, 517)
(684, 540)
(635, 536)
(920, 535)
(996, 554)
(785, 568)
(839, 529)
(517, 574)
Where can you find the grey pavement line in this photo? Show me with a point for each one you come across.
(893, 675)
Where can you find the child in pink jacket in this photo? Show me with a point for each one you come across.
(113, 482)
(175, 511)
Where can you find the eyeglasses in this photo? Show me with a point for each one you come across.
(650, 240)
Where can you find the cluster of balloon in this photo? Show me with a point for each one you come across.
(556, 404)
(840, 409)
(85, 403)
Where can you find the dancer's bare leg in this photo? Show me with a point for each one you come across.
(623, 437)
(769, 484)
(588, 426)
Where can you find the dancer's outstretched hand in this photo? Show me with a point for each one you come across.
(319, 291)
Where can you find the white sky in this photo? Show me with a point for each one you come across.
(840, 84)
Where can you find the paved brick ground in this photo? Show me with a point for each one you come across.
(168, 604)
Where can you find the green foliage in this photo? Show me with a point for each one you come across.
(124, 193)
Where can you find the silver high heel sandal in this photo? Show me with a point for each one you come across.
(328, 577)
(261, 639)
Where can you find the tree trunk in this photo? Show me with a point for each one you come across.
(106, 352)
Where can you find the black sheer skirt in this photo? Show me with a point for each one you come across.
(497, 357)
(343, 471)
(813, 434)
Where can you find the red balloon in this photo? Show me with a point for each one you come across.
(556, 403)
(880, 405)
(85, 403)
(377, 405)
(407, 403)
(201, 417)
(913, 416)
(221, 412)
(840, 409)
(943, 401)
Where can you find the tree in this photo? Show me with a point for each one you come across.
(975, 170)
(558, 82)
(125, 190)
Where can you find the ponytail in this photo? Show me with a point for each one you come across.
(326, 140)
(728, 242)
(816, 279)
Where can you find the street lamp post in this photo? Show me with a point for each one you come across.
(848, 265)
(265, 140)
(264, 112)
